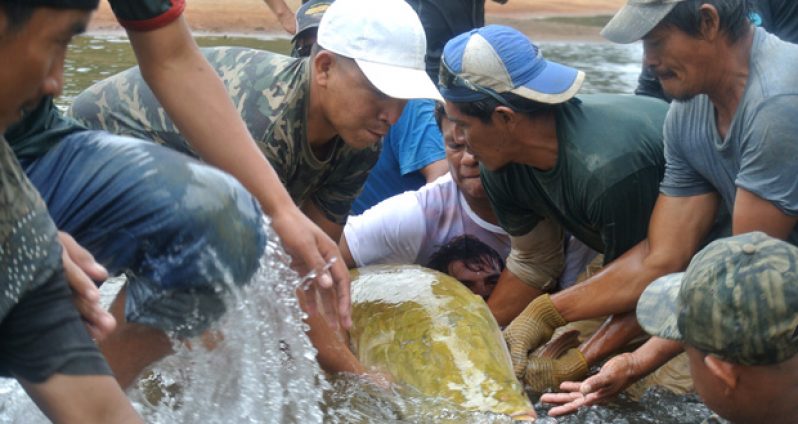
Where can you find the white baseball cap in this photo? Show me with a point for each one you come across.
(386, 40)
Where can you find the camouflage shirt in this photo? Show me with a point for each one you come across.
(29, 251)
(271, 93)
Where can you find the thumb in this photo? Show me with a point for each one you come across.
(594, 383)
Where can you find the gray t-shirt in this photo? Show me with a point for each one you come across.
(760, 151)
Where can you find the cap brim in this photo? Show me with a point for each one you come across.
(555, 84)
(658, 307)
(634, 21)
(400, 82)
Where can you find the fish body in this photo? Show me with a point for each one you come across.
(431, 333)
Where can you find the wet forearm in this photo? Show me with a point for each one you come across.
(613, 335)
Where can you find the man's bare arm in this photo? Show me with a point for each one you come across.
(753, 213)
(284, 14)
(676, 229)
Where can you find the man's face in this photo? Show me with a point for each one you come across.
(34, 59)
(481, 139)
(678, 60)
(359, 112)
(479, 278)
(462, 165)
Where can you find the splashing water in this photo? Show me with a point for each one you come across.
(264, 368)
(261, 369)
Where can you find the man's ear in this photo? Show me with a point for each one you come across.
(322, 63)
(724, 371)
(505, 116)
(710, 22)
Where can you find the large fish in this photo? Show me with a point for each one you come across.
(430, 332)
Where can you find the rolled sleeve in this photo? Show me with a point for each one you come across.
(681, 179)
(538, 257)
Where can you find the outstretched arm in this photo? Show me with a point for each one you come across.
(284, 14)
(94, 399)
(676, 229)
(616, 375)
(173, 67)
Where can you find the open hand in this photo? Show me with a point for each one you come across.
(316, 257)
(82, 272)
(616, 375)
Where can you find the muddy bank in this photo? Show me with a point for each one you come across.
(540, 19)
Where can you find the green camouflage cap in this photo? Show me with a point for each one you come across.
(737, 300)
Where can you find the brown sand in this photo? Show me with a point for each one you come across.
(254, 18)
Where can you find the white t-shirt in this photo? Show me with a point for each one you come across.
(409, 227)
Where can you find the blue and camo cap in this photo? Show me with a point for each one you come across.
(737, 300)
(503, 60)
(57, 4)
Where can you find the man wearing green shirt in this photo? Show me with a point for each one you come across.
(590, 164)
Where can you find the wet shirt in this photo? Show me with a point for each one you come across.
(271, 93)
(44, 127)
(603, 187)
(760, 149)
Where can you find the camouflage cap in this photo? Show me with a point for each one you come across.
(738, 300)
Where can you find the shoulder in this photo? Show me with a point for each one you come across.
(773, 63)
(438, 193)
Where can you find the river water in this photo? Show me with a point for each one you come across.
(264, 369)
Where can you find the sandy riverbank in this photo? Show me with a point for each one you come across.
(533, 17)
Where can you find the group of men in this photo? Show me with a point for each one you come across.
(545, 188)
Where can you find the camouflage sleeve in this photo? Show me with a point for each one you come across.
(124, 104)
(345, 181)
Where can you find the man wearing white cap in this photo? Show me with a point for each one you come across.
(318, 120)
(590, 164)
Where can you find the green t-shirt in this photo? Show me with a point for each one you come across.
(271, 93)
(606, 179)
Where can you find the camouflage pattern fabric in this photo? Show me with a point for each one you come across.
(29, 251)
(271, 93)
(738, 300)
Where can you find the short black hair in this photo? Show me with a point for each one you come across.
(440, 113)
(17, 14)
(733, 16)
(469, 249)
(483, 109)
